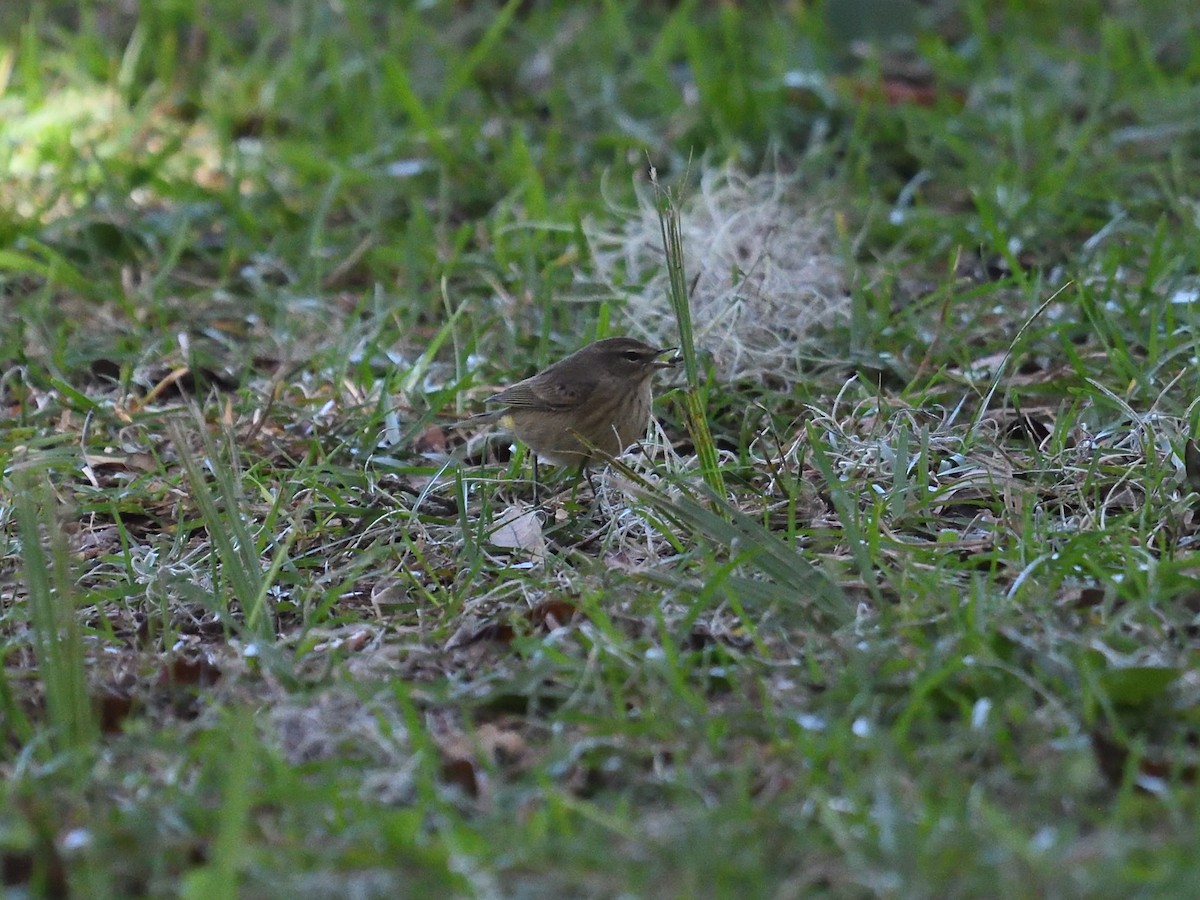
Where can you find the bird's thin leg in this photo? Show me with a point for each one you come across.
(535, 480)
(584, 470)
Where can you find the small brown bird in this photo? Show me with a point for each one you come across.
(591, 405)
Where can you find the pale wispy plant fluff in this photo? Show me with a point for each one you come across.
(763, 255)
(632, 537)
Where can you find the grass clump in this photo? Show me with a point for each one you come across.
(897, 598)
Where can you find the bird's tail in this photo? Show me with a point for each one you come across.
(484, 418)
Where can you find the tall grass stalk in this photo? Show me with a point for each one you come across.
(57, 641)
(236, 548)
(695, 413)
(222, 875)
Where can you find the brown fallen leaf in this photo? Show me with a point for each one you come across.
(431, 440)
(189, 671)
(551, 614)
(1153, 771)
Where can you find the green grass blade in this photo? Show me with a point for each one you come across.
(57, 642)
(235, 546)
(792, 578)
(696, 415)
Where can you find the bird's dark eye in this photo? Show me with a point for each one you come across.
(632, 355)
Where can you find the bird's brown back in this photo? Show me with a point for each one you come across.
(595, 402)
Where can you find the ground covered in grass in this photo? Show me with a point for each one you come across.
(899, 597)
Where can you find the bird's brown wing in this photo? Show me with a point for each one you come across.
(546, 394)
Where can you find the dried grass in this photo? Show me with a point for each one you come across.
(763, 252)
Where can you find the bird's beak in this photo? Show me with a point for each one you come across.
(667, 363)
